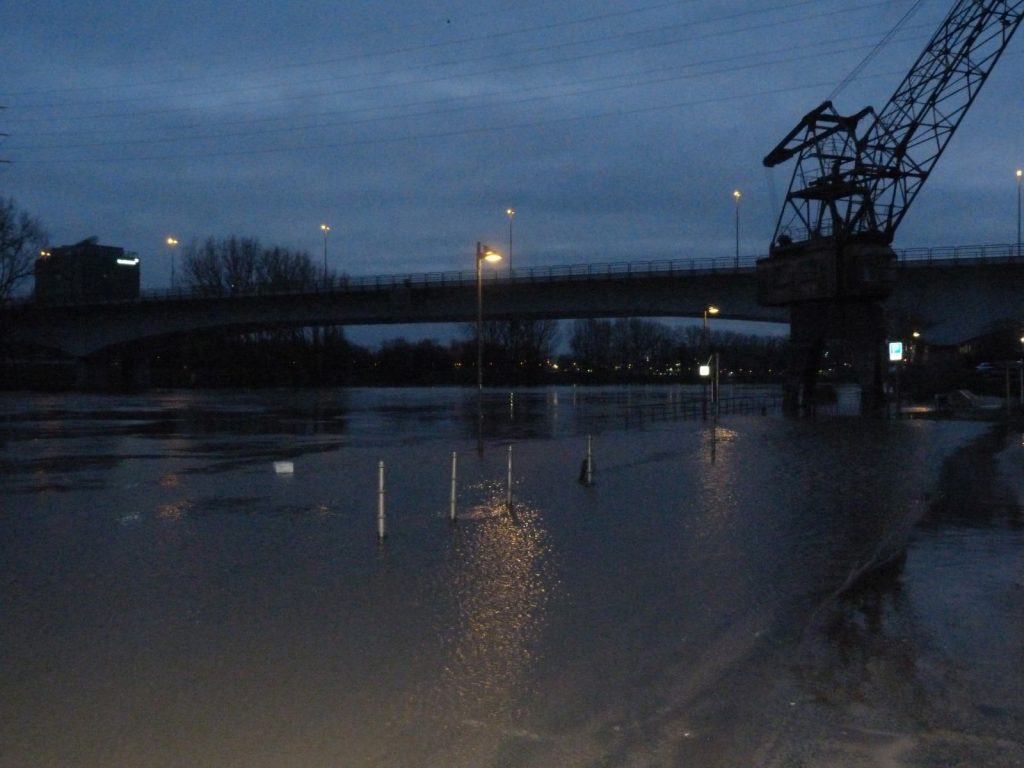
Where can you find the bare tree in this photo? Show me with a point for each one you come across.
(241, 265)
(21, 239)
(281, 268)
(591, 344)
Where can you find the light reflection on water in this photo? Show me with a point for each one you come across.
(501, 576)
(161, 577)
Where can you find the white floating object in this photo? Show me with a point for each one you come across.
(284, 467)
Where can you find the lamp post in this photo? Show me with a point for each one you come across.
(325, 229)
(710, 309)
(171, 242)
(705, 369)
(483, 253)
(510, 212)
(736, 196)
(1019, 174)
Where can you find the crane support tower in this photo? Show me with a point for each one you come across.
(831, 259)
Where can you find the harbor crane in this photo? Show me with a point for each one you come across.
(831, 259)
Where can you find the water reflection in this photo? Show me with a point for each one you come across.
(500, 584)
(863, 645)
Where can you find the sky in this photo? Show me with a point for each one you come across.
(615, 130)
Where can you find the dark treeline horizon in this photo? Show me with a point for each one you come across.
(515, 353)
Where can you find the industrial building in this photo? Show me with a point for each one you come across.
(86, 271)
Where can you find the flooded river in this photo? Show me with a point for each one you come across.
(170, 599)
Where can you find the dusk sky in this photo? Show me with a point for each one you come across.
(616, 130)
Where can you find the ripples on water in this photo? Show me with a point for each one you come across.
(169, 599)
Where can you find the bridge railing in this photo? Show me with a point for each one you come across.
(954, 253)
(590, 271)
(418, 280)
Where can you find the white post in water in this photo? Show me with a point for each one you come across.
(455, 470)
(508, 498)
(381, 529)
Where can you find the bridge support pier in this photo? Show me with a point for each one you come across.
(119, 373)
(847, 332)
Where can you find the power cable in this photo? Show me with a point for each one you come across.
(875, 51)
(760, 63)
(448, 78)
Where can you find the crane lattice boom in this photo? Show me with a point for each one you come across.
(852, 183)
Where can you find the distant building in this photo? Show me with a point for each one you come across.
(86, 271)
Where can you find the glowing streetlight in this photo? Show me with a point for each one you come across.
(736, 196)
(510, 212)
(483, 253)
(710, 309)
(171, 243)
(325, 229)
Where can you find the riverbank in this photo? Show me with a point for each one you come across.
(920, 665)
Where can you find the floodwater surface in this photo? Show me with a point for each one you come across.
(170, 599)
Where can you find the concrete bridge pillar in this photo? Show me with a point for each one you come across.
(853, 332)
(117, 373)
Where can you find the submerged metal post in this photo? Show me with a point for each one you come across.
(455, 469)
(508, 497)
(381, 525)
(717, 397)
(588, 475)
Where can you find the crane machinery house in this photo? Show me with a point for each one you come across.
(86, 271)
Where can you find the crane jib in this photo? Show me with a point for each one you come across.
(856, 176)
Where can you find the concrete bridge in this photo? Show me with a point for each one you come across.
(948, 294)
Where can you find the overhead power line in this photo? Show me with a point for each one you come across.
(759, 63)
(392, 82)
(394, 77)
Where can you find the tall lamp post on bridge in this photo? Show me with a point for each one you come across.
(736, 196)
(483, 253)
(171, 243)
(325, 229)
(510, 212)
(1020, 173)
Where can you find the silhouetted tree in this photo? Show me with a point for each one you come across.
(590, 342)
(222, 266)
(21, 239)
(515, 351)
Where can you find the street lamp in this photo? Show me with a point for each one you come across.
(510, 212)
(171, 242)
(705, 368)
(736, 196)
(325, 229)
(483, 253)
(1019, 174)
(710, 309)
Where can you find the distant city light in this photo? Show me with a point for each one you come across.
(128, 262)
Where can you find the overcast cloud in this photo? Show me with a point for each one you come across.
(617, 130)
